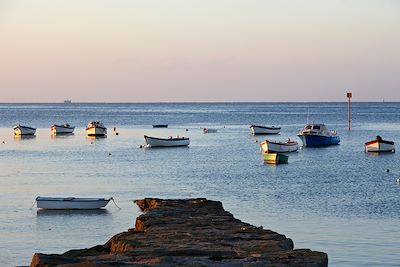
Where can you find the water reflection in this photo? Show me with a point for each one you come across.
(86, 213)
(94, 138)
(18, 138)
(379, 153)
(61, 135)
(146, 148)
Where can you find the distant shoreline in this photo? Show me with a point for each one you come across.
(200, 102)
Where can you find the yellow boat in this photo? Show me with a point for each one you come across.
(275, 158)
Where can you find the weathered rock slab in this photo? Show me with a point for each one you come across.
(188, 232)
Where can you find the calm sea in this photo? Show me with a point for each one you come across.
(338, 199)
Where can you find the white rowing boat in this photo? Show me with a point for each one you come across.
(379, 145)
(71, 203)
(62, 129)
(258, 129)
(166, 142)
(279, 147)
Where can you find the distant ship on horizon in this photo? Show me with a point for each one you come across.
(67, 101)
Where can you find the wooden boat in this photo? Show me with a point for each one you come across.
(24, 130)
(62, 129)
(317, 135)
(275, 158)
(96, 128)
(379, 145)
(279, 147)
(166, 142)
(160, 125)
(209, 130)
(258, 129)
(71, 203)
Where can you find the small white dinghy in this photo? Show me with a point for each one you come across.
(71, 203)
(379, 145)
(62, 129)
(24, 130)
(166, 142)
(209, 130)
(279, 147)
(258, 129)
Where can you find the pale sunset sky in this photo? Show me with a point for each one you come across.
(205, 50)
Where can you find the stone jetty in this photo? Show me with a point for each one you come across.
(188, 232)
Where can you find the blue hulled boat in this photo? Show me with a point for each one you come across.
(317, 135)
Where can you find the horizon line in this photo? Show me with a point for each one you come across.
(191, 102)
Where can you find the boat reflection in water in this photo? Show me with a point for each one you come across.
(93, 212)
(61, 136)
(94, 138)
(19, 138)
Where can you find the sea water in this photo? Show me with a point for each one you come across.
(337, 199)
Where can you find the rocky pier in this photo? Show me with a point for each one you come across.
(188, 232)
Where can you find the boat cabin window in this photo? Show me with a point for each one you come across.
(308, 127)
(316, 127)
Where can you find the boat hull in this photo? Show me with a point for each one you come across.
(279, 147)
(257, 130)
(96, 131)
(166, 142)
(376, 146)
(71, 203)
(275, 158)
(319, 140)
(24, 130)
(60, 129)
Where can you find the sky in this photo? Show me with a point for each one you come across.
(199, 51)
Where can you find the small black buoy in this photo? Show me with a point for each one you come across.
(117, 133)
(387, 170)
(140, 146)
(4, 142)
(187, 130)
(115, 128)
(109, 154)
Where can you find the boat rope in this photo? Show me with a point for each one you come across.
(33, 204)
(115, 203)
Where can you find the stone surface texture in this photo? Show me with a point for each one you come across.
(188, 232)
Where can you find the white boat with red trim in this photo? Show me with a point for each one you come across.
(62, 129)
(166, 142)
(279, 147)
(24, 130)
(71, 203)
(96, 128)
(379, 145)
(258, 129)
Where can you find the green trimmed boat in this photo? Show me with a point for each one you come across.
(275, 158)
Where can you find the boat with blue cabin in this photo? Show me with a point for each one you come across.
(318, 135)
